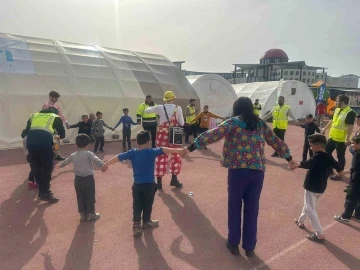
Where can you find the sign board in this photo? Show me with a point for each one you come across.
(15, 56)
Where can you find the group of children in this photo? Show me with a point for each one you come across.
(144, 187)
(319, 166)
(94, 128)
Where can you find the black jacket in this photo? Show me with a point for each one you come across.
(319, 168)
(42, 138)
(84, 128)
(310, 128)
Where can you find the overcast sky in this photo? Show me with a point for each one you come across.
(210, 35)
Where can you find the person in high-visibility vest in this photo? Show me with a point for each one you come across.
(190, 114)
(257, 107)
(340, 134)
(149, 120)
(280, 114)
(40, 130)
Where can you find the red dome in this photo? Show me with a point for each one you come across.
(274, 53)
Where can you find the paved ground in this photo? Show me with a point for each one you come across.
(192, 230)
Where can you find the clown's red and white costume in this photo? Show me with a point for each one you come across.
(162, 137)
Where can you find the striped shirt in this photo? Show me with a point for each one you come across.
(50, 104)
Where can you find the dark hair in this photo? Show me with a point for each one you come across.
(256, 99)
(143, 137)
(356, 139)
(82, 140)
(148, 96)
(309, 116)
(243, 108)
(206, 106)
(84, 115)
(343, 98)
(317, 139)
(54, 94)
(125, 109)
(52, 109)
(281, 97)
(191, 100)
(98, 113)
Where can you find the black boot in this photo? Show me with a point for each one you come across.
(159, 183)
(175, 182)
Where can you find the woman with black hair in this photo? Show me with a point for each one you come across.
(243, 154)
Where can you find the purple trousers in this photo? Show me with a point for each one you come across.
(244, 187)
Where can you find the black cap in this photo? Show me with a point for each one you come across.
(309, 116)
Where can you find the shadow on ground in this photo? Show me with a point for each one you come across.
(149, 254)
(81, 249)
(22, 225)
(209, 250)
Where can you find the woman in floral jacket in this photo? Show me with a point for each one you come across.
(243, 154)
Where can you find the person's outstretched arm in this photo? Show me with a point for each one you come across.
(118, 123)
(66, 162)
(132, 122)
(266, 117)
(213, 135)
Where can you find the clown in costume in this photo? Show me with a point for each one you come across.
(176, 118)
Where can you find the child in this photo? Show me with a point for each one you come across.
(84, 177)
(127, 121)
(84, 126)
(91, 120)
(352, 201)
(144, 187)
(319, 168)
(31, 184)
(310, 128)
(98, 131)
(204, 118)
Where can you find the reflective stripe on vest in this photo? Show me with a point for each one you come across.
(280, 119)
(43, 121)
(256, 109)
(338, 131)
(145, 117)
(191, 117)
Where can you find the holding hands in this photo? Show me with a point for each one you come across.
(293, 164)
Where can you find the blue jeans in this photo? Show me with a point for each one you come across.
(244, 186)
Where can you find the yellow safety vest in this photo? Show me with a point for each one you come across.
(146, 117)
(280, 119)
(43, 121)
(256, 109)
(338, 131)
(191, 117)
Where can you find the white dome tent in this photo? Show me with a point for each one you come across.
(216, 92)
(296, 94)
(88, 78)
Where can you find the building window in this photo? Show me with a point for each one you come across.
(308, 81)
(291, 72)
(317, 77)
(313, 73)
(304, 73)
(309, 73)
(285, 73)
(297, 72)
(291, 79)
(312, 80)
(303, 80)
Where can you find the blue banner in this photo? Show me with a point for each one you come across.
(321, 93)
